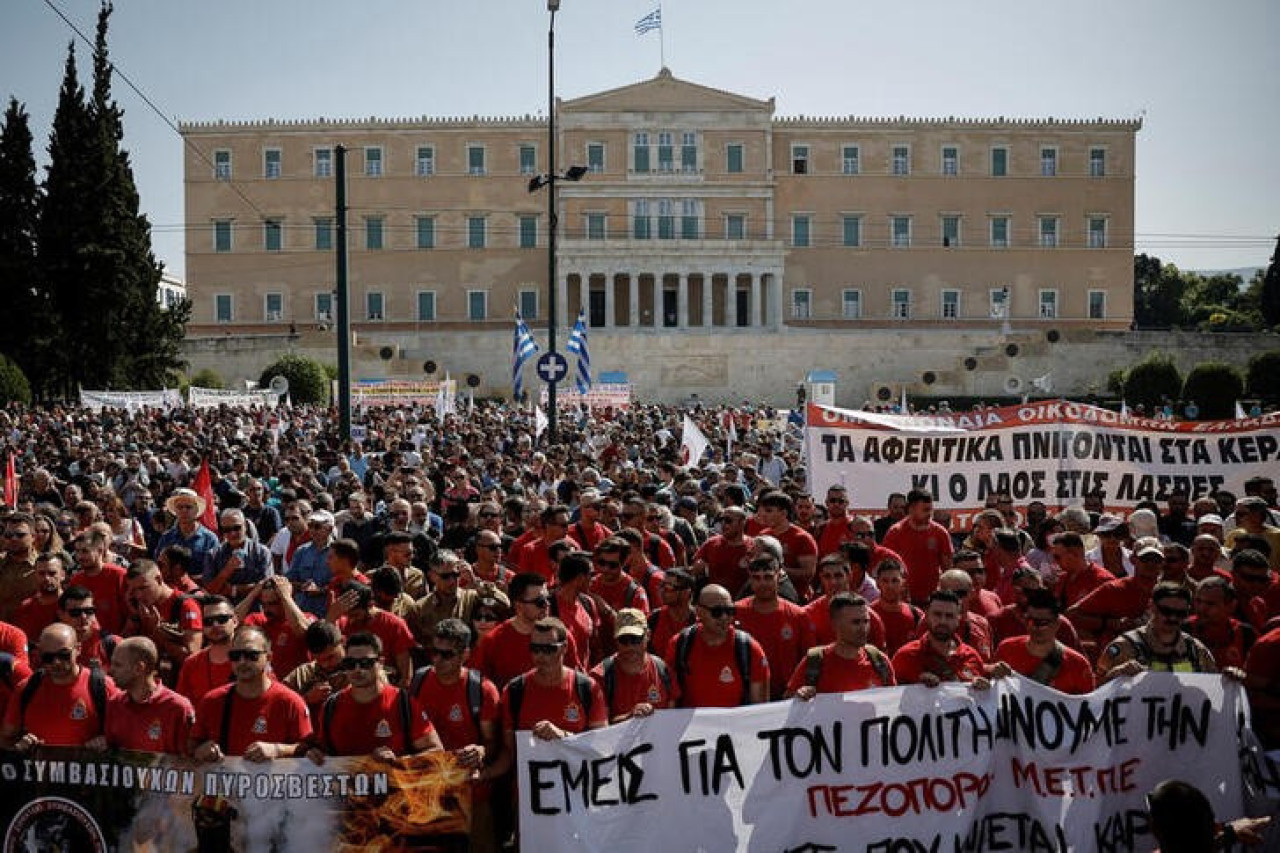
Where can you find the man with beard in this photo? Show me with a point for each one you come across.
(323, 675)
(76, 609)
(63, 703)
(1160, 645)
(782, 628)
(676, 612)
(551, 700)
(41, 609)
(724, 557)
(634, 682)
(105, 580)
(355, 612)
(171, 619)
(281, 618)
(145, 715)
(1040, 656)
(210, 667)
(939, 656)
(17, 579)
(848, 663)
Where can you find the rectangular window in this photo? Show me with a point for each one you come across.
(999, 232)
(950, 304)
(1048, 304)
(1048, 162)
(851, 304)
(901, 231)
(666, 219)
(851, 160)
(1097, 162)
(373, 233)
(688, 152)
(273, 307)
(222, 308)
(475, 159)
(950, 160)
(690, 220)
(426, 228)
(324, 306)
(1097, 304)
(323, 162)
(999, 162)
(800, 236)
(476, 226)
(324, 233)
(595, 157)
(272, 235)
(852, 231)
(595, 226)
(666, 152)
(801, 304)
(222, 165)
(950, 231)
(424, 164)
(999, 303)
(901, 160)
(1048, 232)
(528, 160)
(477, 305)
(426, 306)
(1097, 232)
(733, 158)
(640, 152)
(373, 162)
(528, 232)
(374, 305)
(735, 226)
(799, 159)
(640, 225)
(901, 303)
(271, 163)
(529, 304)
(222, 235)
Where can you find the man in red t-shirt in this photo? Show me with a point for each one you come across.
(676, 612)
(210, 667)
(551, 700)
(611, 582)
(61, 708)
(1040, 656)
(900, 617)
(782, 628)
(40, 610)
(354, 611)
(1262, 680)
(834, 577)
(1227, 638)
(973, 630)
(262, 719)
(370, 716)
(1011, 620)
(799, 550)
(633, 682)
(723, 558)
(1077, 576)
(1119, 604)
(105, 580)
(573, 604)
(925, 545)
(716, 665)
(145, 715)
(283, 621)
(847, 664)
(635, 512)
(838, 528)
(76, 609)
(535, 555)
(938, 656)
(587, 531)
(503, 653)
(170, 619)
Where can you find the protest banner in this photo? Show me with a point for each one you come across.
(1052, 451)
(77, 799)
(1014, 767)
(400, 392)
(602, 395)
(130, 400)
(209, 398)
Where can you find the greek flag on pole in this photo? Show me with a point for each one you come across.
(523, 349)
(651, 21)
(578, 346)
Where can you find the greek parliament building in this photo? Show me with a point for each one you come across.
(718, 249)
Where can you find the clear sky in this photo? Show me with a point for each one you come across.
(1205, 77)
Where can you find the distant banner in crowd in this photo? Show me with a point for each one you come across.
(399, 392)
(72, 799)
(131, 400)
(603, 395)
(1051, 451)
(209, 398)
(1018, 767)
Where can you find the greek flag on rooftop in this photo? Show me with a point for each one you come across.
(651, 21)
(578, 346)
(523, 349)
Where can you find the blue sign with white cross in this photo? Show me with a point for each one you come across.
(552, 367)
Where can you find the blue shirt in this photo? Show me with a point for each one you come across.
(200, 543)
(311, 564)
(255, 557)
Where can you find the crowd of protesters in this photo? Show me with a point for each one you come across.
(311, 589)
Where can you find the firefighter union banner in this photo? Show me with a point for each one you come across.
(1051, 451)
(78, 800)
(1015, 767)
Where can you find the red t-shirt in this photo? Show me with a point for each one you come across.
(33, 616)
(727, 564)
(161, 724)
(624, 593)
(1121, 598)
(973, 631)
(785, 634)
(21, 672)
(658, 550)
(1010, 623)
(900, 622)
(448, 708)
(650, 578)
(840, 675)
(277, 716)
(109, 597)
(288, 649)
(503, 653)
(581, 624)
(358, 728)
(985, 603)
(93, 652)
(560, 705)
(796, 545)
(1230, 645)
(14, 641)
(394, 632)
(630, 689)
(925, 553)
(199, 675)
(819, 613)
(713, 679)
(664, 627)
(833, 533)
(588, 534)
(1074, 676)
(1074, 588)
(58, 714)
(918, 657)
(534, 557)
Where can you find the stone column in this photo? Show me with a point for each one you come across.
(657, 301)
(708, 300)
(731, 300)
(775, 300)
(562, 300)
(584, 295)
(756, 305)
(633, 280)
(682, 301)
(609, 282)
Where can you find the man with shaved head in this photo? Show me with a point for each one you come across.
(145, 715)
(715, 664)
(63, 703)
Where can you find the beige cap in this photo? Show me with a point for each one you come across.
(630, 621)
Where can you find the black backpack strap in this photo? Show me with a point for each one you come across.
(419, 676)
(652, 621)
(582, 685)
(1049, 668)
(880, 662)
(663, 673)
(326, 720)
(742, 651)
(515, 697)
(684, 644)
(406, 719)
(475, 695)
(175, 609)
(224, 731)
(109, 642)
(609, 680)
(813, 666)
(28, 693)
(6, 668)
(98, 694)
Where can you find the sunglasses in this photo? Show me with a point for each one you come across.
(490, 515)
(219, 619)
(540, 601)
(1248, 578)
(448, 576)
(485, 617)
(237, 655)
(1173, 612)
(720, 611)
(837, 500)
(608, 564)
(446, 654)
(62, 655)
(77, 612)
(630, 640)
(544, 648)
(359, 663)
(232, 528)
(1040, 622)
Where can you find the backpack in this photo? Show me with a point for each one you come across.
(97, 693)
(475, 690)
(741, 654)
(581, 686)
(1048, 669)
(815, 656)
(403, 702)
(1145, 656)
(610, 679)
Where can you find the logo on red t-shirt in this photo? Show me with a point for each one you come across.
(260, 726)
(455, 714)
(383, 729)
(79, 711)
(572, 713)
(726, 676)
(155, 730)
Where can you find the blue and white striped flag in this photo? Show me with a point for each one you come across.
(578, 346)
(523, 349)
(651, 21)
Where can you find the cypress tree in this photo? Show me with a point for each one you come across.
(21, 289)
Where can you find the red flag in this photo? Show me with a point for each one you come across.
(203, 486)
(10, 482)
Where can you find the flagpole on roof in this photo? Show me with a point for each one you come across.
(662, 41)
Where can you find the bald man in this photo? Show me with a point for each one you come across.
(63, 703)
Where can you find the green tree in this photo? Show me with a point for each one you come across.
(1263, 378)
(307, 380)
(14, 387)
(1157, 293)
(1269, 295)
(1152, 381)
(1215, 387)
(207, 378)
(20, 289)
